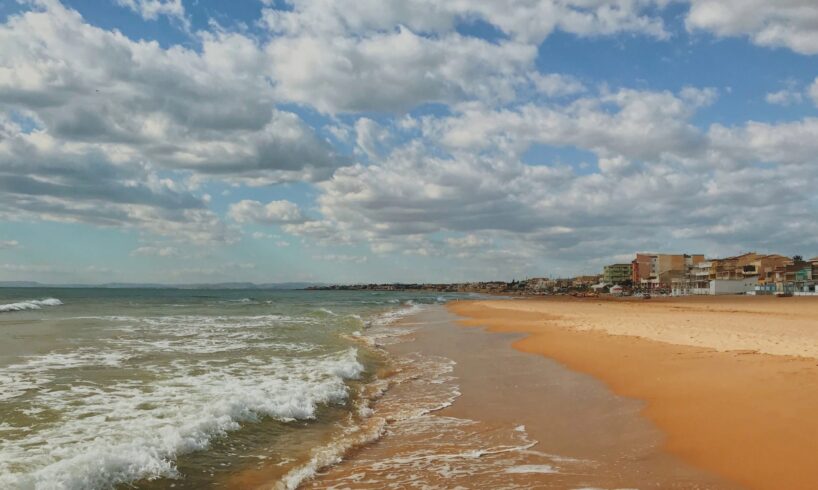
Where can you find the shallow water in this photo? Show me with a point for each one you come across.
(186, 388)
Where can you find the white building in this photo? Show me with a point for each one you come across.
(733, 286)
(700, 278)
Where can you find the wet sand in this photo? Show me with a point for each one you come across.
(731, 382)
(520, 421)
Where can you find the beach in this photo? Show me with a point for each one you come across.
(728, 381)
(513, 420)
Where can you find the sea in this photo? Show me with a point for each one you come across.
(189, 389)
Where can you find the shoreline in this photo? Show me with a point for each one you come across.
(729, 381)
(563, 430)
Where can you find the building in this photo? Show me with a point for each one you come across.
(796, 277)
(584, 281)
(736, 267)
(617, 274)
(642, 268)
(765, 265)
(664, 272)
(733, 286)
(700, 277)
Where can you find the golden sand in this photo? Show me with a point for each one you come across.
(519, 421)
(731, 381)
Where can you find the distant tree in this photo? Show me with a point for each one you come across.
(797, 258)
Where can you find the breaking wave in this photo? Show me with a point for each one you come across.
(124, 433)
(31, 304)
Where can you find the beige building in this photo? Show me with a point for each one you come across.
(668, 272)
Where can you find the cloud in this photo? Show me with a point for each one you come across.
(44, 178)
(657, 177)
(370, 138)
(9, 244)
(274, 212)
(156, 251)
(784, 97)
(813, 91)
(792, 144)
(792, 24)
(210, 112)
(557, 85)
(341, 258)
(152, 9)
(390, 56)
(394, 71)
(523, 20)
(609, 124)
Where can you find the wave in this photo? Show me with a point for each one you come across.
(124, 433)
(433, 391)
(31, 304)
(392, 316)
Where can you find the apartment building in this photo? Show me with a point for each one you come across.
(667, 272)
(617, 274)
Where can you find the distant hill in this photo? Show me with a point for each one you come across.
(127, 285)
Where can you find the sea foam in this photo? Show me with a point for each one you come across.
(129, 431)
(30, 304)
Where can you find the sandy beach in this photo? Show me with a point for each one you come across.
(515, 421)
(730, 382)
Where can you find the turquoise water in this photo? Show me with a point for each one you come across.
(102, 388)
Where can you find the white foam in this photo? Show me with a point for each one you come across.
(532, 468)
(131, 430)
(35, 371)
(30, 304)
(393, 316)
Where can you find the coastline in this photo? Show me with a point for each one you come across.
(729, 381)
(502, 418)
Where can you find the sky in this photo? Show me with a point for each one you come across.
(343, 141)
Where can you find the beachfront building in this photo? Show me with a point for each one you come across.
(642, 268)
(733, 286)
(580, 282)
(798, 277)
(617, 274)
(732, 267)
(765, 265)
(664, 272)
(700, 277)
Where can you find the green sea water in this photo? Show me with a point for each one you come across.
(164, 388)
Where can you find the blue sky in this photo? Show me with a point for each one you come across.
(345, 141)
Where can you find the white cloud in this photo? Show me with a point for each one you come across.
(370, 137)
(658, 176)
(642, 125)
(784, 97)
(210, 111)
(353, 56)
(274, 212)
(156, 251)
(152, 9)
(813, 91)
(556, 85)
(48, 179)
(357, 259)
(787, 144)
(529, 21)
(791, 24)
(394, 71)
(8, 244)
(467, 241)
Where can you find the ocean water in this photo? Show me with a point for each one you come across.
(138, 388)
